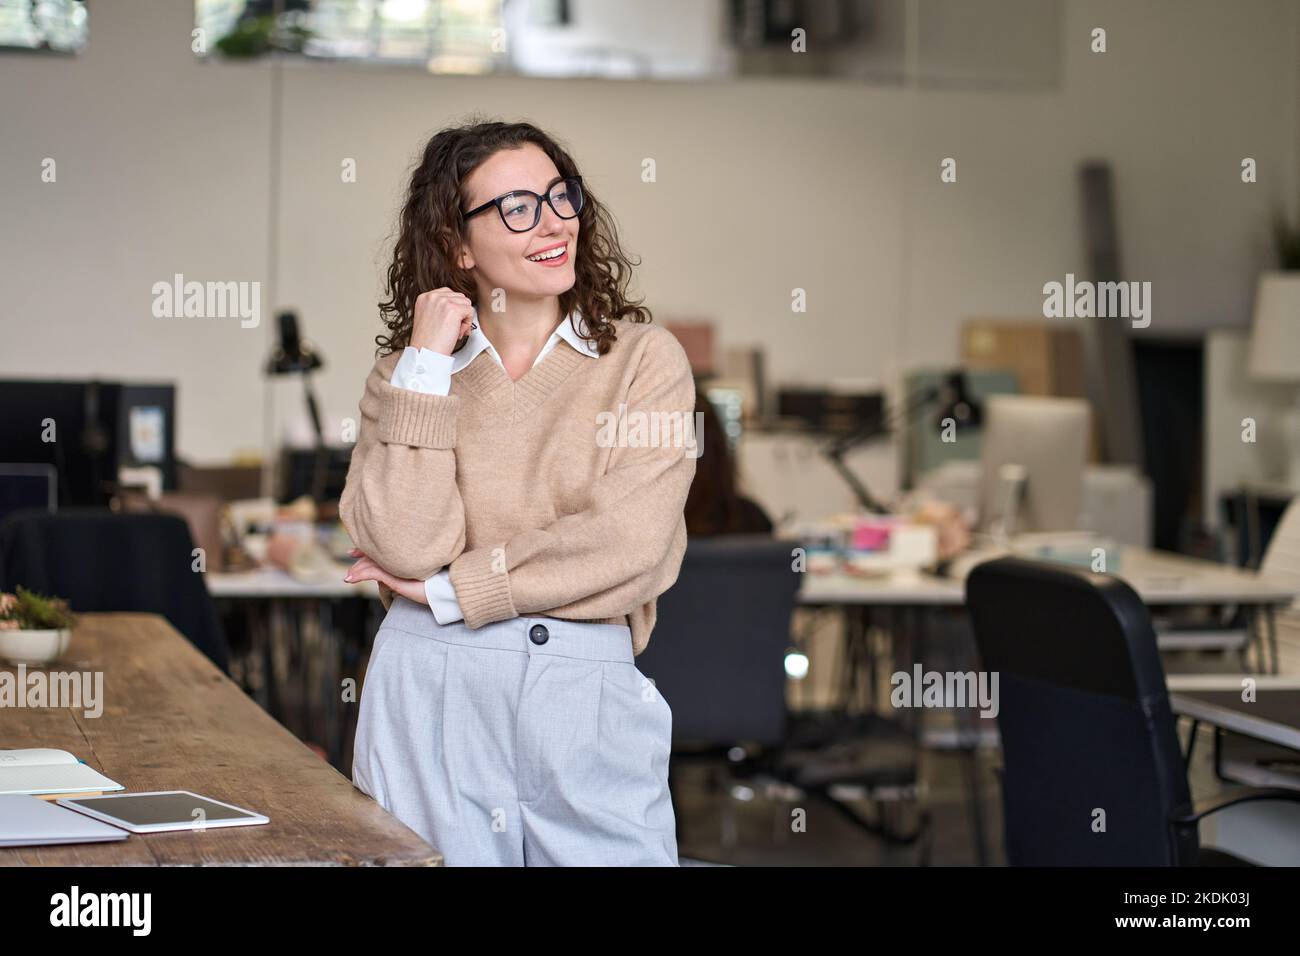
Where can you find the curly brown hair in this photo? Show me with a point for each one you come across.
(432, 232)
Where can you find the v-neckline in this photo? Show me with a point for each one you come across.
(487, 377)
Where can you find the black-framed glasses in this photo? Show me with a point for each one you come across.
(521, 209)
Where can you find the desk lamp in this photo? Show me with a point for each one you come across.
(294, 356)
(956, 405)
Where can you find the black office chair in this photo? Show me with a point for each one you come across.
(719, 645)
(718, 657)
(100, 560)
(1093, 774)
(720, 638)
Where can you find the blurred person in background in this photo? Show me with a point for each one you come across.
(714, 506)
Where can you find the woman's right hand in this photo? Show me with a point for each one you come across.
(442, 318)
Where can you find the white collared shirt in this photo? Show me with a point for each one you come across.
(424, 370)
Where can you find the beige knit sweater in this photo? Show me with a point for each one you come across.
(559, 494)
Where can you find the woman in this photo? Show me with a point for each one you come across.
(519, 540)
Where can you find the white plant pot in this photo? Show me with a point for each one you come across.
(34, 647)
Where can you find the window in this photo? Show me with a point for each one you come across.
(955, 43)
(52, 26)
(446, 36)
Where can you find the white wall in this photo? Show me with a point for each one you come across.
(763, 186)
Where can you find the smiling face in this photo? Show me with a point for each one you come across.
(497, 256)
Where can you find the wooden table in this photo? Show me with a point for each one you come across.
(172, 721)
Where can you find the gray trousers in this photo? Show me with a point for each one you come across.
(528, 742)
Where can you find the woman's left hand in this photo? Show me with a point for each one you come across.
(367, 570)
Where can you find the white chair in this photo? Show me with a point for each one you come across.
(1281, 640)
(1240, 759)
(1282, 562)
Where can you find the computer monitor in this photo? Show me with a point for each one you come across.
(27, 486)
(87, 431)
(728, 404)
(1033, 453)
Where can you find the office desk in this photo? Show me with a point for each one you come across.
(1273, 717)
(172, 721)
(1160, 578)
(274, 583)
(907, 601)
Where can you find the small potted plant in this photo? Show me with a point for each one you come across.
(255, 36)
(34, 629)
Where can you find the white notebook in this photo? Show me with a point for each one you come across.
(31, 821)
(42, 770)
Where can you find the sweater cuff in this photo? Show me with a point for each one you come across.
(483, 592)
(414, 418)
